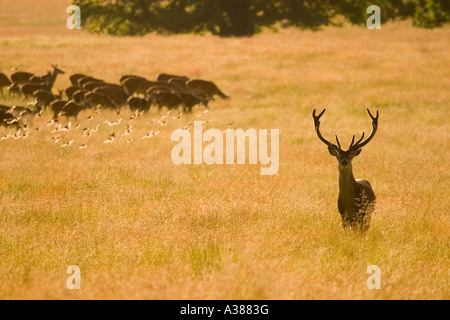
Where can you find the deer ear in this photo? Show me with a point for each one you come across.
(357, 152)
(333, 152)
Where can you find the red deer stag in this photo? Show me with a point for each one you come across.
(356, 199)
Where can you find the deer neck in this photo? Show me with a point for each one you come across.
(52, 78)
(347, 184)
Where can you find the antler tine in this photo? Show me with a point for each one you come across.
(351, 143)
(317, 125)
(355, 144)
(359, 144)
(374, 119)
(316, 118)
(338, 142)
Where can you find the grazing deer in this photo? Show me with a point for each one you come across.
(123, 78)
(78, 96)
(14, 89)
(139, 104)
(151, 90)
(181, 83)
(82, 81)
(71, 90)
(43, 98)
(28, 89)
(4, 82)
(135, 85)
(205, 89)
(116, 94)
(96, 98)
(166, 77)
(356, 199)
(72, 109)
(190, 100)
(44, 78)
(91, 85)
(56, 106)
(170, 100)
(21, 77)
(170, 86)
(75, 77)
(48, 78)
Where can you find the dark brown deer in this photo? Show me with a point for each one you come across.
(72, 109)
(125, 77)
(190, 100)
(56, 106)
(91, 85)
(95, 98)
(139, 104)
(356, 199)
(43, 98)
(166, 77)
(4, 82)
(44, 78)
(29, 88)
(181, 83)
(75, 77)
(21, 77)
(53, 75)
(14, 89)
(133, 85)
(83, 80)
(48, 78)
(78, 96)
(116, 94)
(170, 100)
(205, 89)
(71, 90)
(170, 86)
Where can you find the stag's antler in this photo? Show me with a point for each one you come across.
(316, 126)
(359, 144)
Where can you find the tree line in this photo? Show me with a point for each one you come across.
(247, 17)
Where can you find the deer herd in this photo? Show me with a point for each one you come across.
(88, 92)
(356, 200)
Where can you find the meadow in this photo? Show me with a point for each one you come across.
(141, 227)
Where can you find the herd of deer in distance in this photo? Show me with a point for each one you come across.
(356, 200)
(87, 92)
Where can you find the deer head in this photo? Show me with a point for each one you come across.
(345, 157)
(56, 70)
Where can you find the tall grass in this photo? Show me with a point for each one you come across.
(141, 227)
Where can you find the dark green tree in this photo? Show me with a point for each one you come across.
(246, 17)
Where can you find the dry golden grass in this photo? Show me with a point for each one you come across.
(141, 227)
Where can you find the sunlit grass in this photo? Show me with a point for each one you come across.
(141, 227)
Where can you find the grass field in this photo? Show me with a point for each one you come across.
(140, 227)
